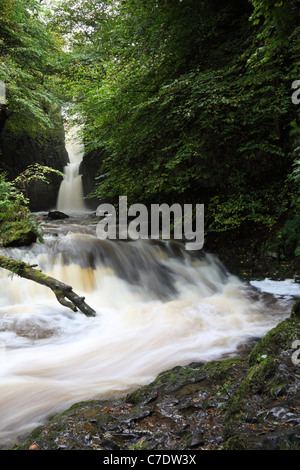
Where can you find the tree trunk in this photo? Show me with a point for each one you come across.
(62, 291)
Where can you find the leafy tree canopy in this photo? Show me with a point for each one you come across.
(29, 56)
(181, 101)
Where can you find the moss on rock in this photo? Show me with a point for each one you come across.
(18, 233)
(246, 403)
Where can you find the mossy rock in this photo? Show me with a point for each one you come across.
(18, 233)
(243, 403)
(280, 337)
(269, 388)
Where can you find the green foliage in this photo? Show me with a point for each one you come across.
(287, 240)
(32, 174)
(254, 207)
(13, 204)
(17, 227)
(28, 53)
(189, 102)
(183, 101)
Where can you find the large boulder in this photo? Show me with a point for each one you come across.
(17, 233)
(43, 194)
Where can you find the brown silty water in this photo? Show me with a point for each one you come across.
(157, 306)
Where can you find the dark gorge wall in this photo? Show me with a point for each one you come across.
(89, 169)
(19, 149)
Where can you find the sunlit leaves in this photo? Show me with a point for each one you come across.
(27, 53)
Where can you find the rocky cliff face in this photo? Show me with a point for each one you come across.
(89, 168)
(19, 150)
(43, 195)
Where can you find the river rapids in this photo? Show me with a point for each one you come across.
(157, 306)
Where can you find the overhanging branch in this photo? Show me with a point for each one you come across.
(61, 290)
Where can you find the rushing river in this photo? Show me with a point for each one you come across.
(157, 306)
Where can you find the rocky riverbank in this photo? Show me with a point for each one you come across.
(247, 402)
(250, 402)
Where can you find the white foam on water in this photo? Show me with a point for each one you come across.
(287, 287)
(70, 195)
(52, 357)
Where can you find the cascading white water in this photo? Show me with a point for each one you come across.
(70, 196)
(157, 307)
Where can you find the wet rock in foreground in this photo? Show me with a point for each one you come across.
(247, 403)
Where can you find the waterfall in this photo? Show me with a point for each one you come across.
(70, 196)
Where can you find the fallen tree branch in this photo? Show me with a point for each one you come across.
(62, 291)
